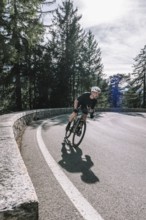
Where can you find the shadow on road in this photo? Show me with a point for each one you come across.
(54, 121)
(50, 122)
(73, 161)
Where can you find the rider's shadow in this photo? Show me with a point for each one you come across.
(73, 161)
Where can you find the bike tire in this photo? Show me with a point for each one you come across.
(77, 139)
(70, 130)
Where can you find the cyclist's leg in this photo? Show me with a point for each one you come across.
(84, 112)
(71, 118)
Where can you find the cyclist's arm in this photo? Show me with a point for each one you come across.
(93, 106)
(92, 110)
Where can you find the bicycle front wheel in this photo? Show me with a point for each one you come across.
(78, 134)
(69, 130)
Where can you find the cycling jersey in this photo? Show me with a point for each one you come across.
(84, 101)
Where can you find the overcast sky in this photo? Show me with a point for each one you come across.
(119, 27)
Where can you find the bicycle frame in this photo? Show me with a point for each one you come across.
(77, 129)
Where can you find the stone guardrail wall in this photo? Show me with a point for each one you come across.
(121, 109)
(18, 199)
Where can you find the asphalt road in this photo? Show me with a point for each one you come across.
(108, 169)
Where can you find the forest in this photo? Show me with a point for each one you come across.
(48, 66)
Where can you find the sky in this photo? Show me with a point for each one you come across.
(119, 27)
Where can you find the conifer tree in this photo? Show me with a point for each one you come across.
(21, 31)
(91, 66)
(67, 37)
(139, 74)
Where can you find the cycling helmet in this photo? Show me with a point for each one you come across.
(95, 89)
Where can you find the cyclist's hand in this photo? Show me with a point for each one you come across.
(75, 110)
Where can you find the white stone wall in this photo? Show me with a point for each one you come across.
(18, 199)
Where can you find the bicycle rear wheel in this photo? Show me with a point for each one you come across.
(79, 133)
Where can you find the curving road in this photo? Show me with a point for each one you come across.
(103, 179)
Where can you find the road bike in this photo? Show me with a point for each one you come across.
(77, 129)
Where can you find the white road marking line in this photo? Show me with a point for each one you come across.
(82, 205)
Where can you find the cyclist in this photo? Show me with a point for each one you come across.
(86, 102)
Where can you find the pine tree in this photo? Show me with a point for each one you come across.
(139, 74)
(21, 29)
(67, 37)
(90, 63)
